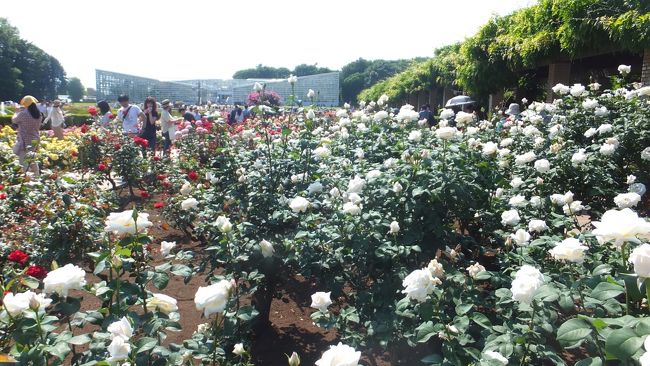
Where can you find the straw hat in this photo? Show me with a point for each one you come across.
(28, 100)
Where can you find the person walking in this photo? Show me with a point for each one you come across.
(130, 115)
(28, 122)
(56, 117)
(168, 125)
(148, 132)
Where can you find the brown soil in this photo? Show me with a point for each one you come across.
(291, 327)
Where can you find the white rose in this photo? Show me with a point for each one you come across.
(446, 133)
(292, 79)
(436, 268)
(189, 203)
(394, 227)
(560, 89)
(537, 226)
(315, 187)
(579, 157)
(339, 355)
(186, 188)
(266, 248)
(463, 118)
(214, 298)
(419, 284)
(474, 269)
(223, 224)
(64, 279)
(299, 204)
(356, 185)
(493, 356)
(590, 132)
(542, 165)
(380, 116)
(601, 111)
(372, 175)
(577, 90)
(334, 192)
(521, 237)
(397, 187)
(311, 93)
(166, 247)
(239, 349)
(624, 69)
(258, 87)
(570, 249)
(415, 136)
(518, 201)
(630, 179)
(122, 223)
(15, 304)
(605, 128)
(118, 350)
(489, 148)
(165, 304)
(621, 226)
(321, 300)
(535, 201)
(510, 217)
(625, 200)
(573, 208)
(121, 329)
(525, 158)
(351, 208)
(446, 114)
(506, 142)
(607, 149)
(516, 182)
(640, 258)
(590, 103)
(528, 280)
(322, 152)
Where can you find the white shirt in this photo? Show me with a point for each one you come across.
(105, 119)
(166, 124)
(56, 116)
(130, 121)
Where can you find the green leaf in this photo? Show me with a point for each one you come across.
(623, 343)
(482, 320)
(606, 290)
(591, 361)
(146, 343)
(425, 331)
(573, 332)
(462, 309)
(80, 339)
(603, 269)
(434, 359)
(160, 280)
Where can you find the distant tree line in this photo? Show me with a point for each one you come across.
(355, 76)
(27, 69)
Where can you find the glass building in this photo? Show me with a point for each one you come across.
(111, 84)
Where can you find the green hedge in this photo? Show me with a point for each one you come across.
(70, 120)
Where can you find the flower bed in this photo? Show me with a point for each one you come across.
(524, 243)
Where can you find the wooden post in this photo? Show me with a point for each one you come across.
(559, 72)
(645, 68)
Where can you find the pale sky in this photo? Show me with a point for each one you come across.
(193, 39)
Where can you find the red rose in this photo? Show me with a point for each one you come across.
(144, 194)
(94, 138)
(160, 177)
(117, 146)
(166, 184)
(84, 128)
(36, 271)
(92, 110)
(101, 166)
(193, 175)
(111, 116)
(3, 196)
(158, 205)
(156, 158)
(18, 256)
(2, 187)
(75, 154)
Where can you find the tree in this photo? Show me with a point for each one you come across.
(305, 70)
(25, 68)
(76, 90)
(362, 74)
(262, 72)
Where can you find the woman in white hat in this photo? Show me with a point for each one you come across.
(56, 117)
(29, 123)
